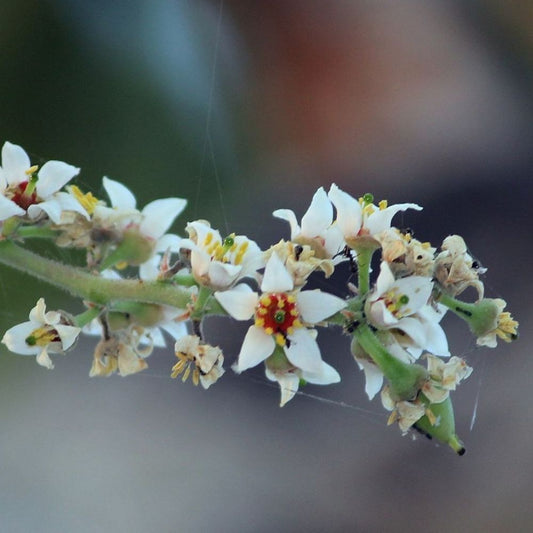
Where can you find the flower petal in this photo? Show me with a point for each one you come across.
(316, 305)
(349, 212)
(303, 351)
(319, 215)
(52, 176)
(239, 302)
(159, 215)
(381, 219)
(290, 217)
(15, 339)
(15, 163)
(326, 376)
(119, 195)
(276, 277)
(9, 209)
(256, 347)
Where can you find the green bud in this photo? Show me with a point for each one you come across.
(143, 314)
(134, 249)
(443, 428)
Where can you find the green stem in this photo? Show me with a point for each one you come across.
(405, 379)
(84, 318)
(36, 232)
(364, 258)
(88, 286)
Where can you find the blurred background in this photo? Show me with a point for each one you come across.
(245, 107)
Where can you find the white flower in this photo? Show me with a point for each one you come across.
(281, 317)
(153, 221)
(45, 332)
(21, 192)
(403, 305)
(219, 263)
(317, 229)
(361, 219)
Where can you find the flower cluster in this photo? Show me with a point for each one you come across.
(141, 285)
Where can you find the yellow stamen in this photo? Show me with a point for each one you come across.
(32, 170)
(383, 205)
(87, 200)
(280, 339)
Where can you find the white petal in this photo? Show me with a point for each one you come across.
(51, 207)
(168, 241)
(290, 217)
(44, 359)
(9, 209)
(256, 347)
(373, 377)
(288, 384)
(380, 219)
(303, 351)
(67, 334)
(417, 288)
(326, 376)
(222, 275)
(52, 176)
(384, 282)
(414, 329)
(15, 162)
(276, 277)
(15, 339)
(119, 195)
(239, 302)
(38, 312)
(316, 305)
(159, 215)
(319, 215)
(349, 212)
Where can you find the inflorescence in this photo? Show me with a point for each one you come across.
(139, 280)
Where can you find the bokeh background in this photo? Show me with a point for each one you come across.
(245, 107)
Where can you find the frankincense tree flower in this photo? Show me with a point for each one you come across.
(26, 190)
(360, 219)
(219, 263)
(317, 230)
(45, 332)
(282, 318)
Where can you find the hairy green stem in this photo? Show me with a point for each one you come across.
(91, 287)
(405, 379)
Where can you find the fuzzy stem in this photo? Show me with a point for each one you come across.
(88, 286)
(405, 379)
